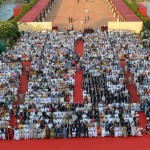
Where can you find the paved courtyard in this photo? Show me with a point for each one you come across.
(98, 11)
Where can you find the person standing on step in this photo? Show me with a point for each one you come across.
(21, 97)
(130, 80)
(27, 72)
(147, 129)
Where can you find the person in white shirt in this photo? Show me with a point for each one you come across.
(138, 131)
(90, 131)
(16, 134)
(2, 134)
(133, 130)
(95, 131)
(26, 133)
(103, 134)
(116, 131)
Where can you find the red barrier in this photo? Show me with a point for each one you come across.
(17, 10)
(142, 9)
(55, 28)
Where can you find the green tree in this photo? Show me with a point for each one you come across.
(8, 31)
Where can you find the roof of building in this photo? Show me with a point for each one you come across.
(131, 18)
(32, 14)
(125, 11)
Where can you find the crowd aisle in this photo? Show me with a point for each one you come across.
(78, 98)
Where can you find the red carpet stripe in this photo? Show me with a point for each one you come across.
(131, 88)
(12, 121)
(143, 119)
(78, 77)
(23, 80)
(23, 88)
(79, 46)
(78, 88)
(134, 97)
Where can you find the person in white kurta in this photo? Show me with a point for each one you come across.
(26, 133)
(90, 131)
(138, 131)
(2, 134)
(116, 130)
(120, 131)
(95, 131)
(103, 132)
(43, 133)
(31, 133)
(16, 134)
(133, 130)
(21, 132)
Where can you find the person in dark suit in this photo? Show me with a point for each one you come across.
(64, 131)
(129, 129)
(78, 131)
(74, 130)
(86, 131)
(69, 130)
(57, 134)
(82, 130)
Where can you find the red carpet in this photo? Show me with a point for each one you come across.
(143, 120)
(78, 87)
(110, 143)
(78, 77)
(23, 79)
(79, 47)
(134, 97)
(12, 121)
(23, 88)
(131, 88)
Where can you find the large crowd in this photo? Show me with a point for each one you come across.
(48, 109)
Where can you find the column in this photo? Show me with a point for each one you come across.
(45, 13)
(48, 10)
(114, 14)
(43, 17)
(118, 18)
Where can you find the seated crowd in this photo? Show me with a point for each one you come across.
(48, 110)
(10, 73)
